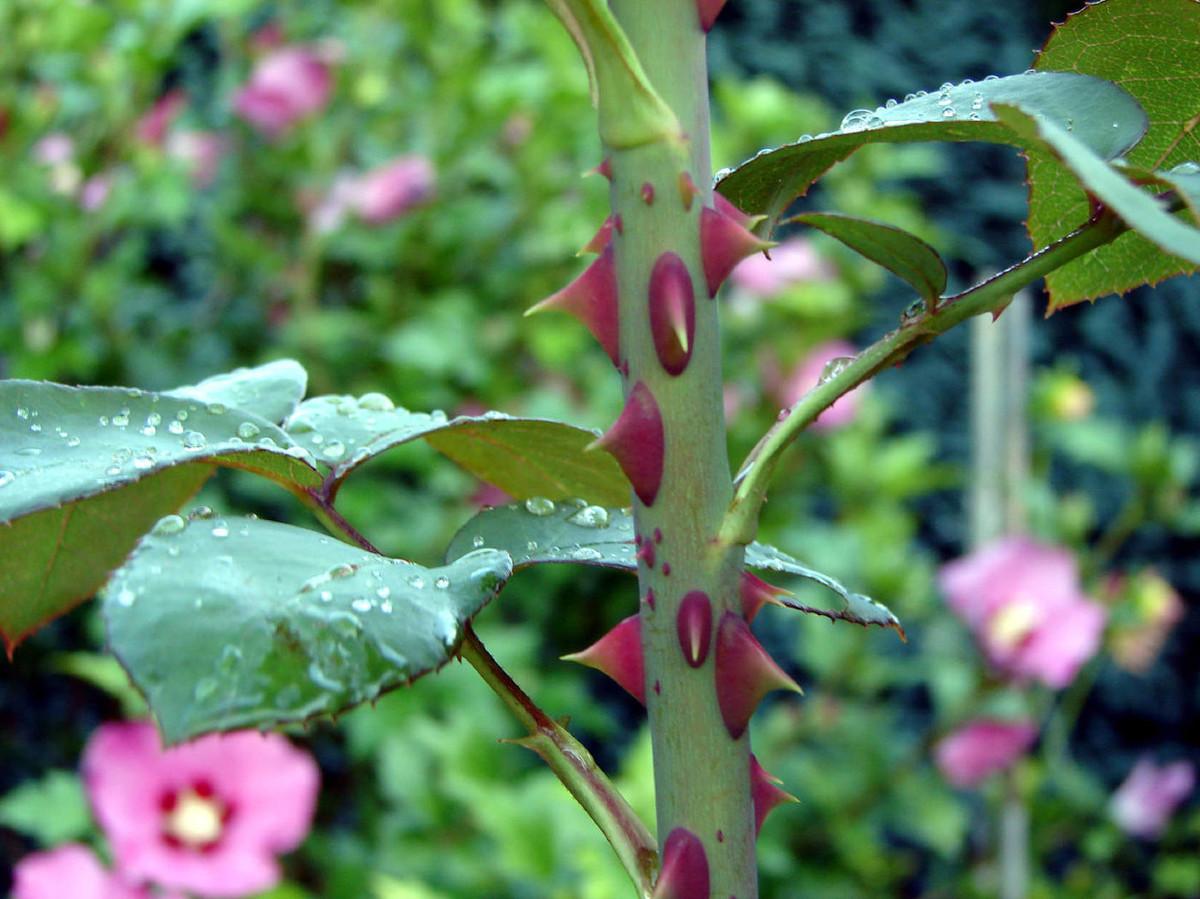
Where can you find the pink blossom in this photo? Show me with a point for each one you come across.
(152, 127)
(792, 262)
(208, 816)
(286, 86)
(95, 191)
(70, 870)
(807, 374)
(55, 148)
(1144, 803)
(983, 747)
(387, 192)
(200, 151)
(1023, 602)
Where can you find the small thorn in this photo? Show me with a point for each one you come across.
(723, 244)
(648, 193)
(647, 554)
(604, 169)
(687, 190)
(592, 299)
(684, 872)
(709, 10)
(765, 793)
(756, 593)
(650, 599)
(672, 312)
(636, 440)
(745, 673)
(602, 238)
(619, 655)
(693, 626)
(666, 569)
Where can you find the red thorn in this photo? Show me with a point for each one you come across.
(727, 209)
(756, 593)
(646, 553)
(688, 191)
(637, 442)
(591, 298)
(672, 312)
(618, 222)
(647, 193)
(693, 625)
(650, 598)
(765, 793)
(745, 673)
(604, 168)
(666, 569)
(657, 688)
(709, 10)
(619, 655)
(723, 244)
(658, 535)
(684, 872)
(602, 238)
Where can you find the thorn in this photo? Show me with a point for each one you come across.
(672, 312)
(619, 655)
(693, 625)
(602, 238)
(709, 10)
(648, 193)
(723, 244)
(756, 593)
(745, 673)
(604, 169)
(727, 209)
(646, 553)
(591, 298)
(684, 872)
(637, 442)
(688, 191)
(765, 793)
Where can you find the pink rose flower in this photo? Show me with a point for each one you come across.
(1144, 803)
(286, 86)
(208, 816)
(152, 127)
(71, 871)
(807, 374)
(792, 262)
(983, 747)
(1023, 602)
(387, 192)
(55, 148)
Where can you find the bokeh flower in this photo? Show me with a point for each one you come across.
(1142, 806)
(794, 261)
(209, 816)
(387, 192)
(152, 127)
(1146, 609)
(199, 151)
(967, 756)
(71, 871)
(287, 85)
(807, 374)
(1023, 602)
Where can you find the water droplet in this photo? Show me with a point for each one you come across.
(216, 408)
(113, 470)
(531, 546)
(35, 428)
(912, 313)
(477, 541)
(442, 583)
(590, 517)
(834, 367)
(361, 605)
(416, 582)
(855, 120)
(268, 442)
(892, 103)
(326, 596)
(205, 688)
(539, 506)
(386, 607)
(126, 597)
(141, 463)
(153, 419)
(6, 478)
(343, 570)
(121, 419)
(168, 525)
(948, 112)
(230, 660)
(383, 592)
(200, 513)
(220, 530)
(247, 430)
(335, 449)
(376, 402)
(193, 440)
(22, 413)
(175, 427)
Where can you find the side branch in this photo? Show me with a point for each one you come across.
(992, 295)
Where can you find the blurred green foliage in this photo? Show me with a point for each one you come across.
(168, 281)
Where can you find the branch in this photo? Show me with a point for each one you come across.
(992, 295)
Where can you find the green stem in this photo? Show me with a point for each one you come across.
(991, 295)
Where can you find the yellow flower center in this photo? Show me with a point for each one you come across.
(1013, 623)
(195, 821)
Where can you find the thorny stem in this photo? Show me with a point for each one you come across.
(570, 761)
(992, 295)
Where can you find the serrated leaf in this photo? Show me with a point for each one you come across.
(50, 811)
(538, 532)
(1136, 208)
(1104, 117)
(525, 457)
(225, 624)
(1151, 49)
(85, 471)
(903, 254)
(271, 391)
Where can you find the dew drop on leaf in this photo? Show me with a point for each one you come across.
(247, 430)
(539, 506)
(194, 440)
(590, 517)
(168, 525)
(6, 478)
(376, 402)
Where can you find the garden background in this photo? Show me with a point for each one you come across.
(158, 225)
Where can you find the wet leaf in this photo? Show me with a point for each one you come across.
(903, 254)
(271, 391)
(85, 471)
(232, 623)
(1152, 50)
(1103, 116)
(522, 456)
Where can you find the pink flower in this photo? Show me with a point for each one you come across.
(70, 870)
(200, 151)
(792, 262)
(95, 191)
(983, 747)
(55, 148)
(1144, 803)
(805, 376)
(286, 86)
(387, 192)
(207, 817)
(152, 127)
(1023, 603)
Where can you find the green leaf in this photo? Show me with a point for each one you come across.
(225, 624)
(85, 471)
(1104, 117)
(903, 254)
(1136, 207)
(271, 391)
(1152, 50)
(51, 811)
(523, 456)
(541, 532)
